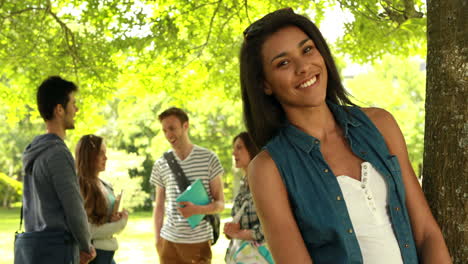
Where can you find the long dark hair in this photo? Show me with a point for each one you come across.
(248, 142)
(263, 114)
(87, 151)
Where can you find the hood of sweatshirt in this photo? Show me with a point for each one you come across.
(38, 146)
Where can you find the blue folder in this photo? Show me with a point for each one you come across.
(196, 194)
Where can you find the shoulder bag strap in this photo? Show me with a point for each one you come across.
(182, 180)
(21, 223)
(239, 213)
(179, 174)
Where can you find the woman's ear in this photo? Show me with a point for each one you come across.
(267, 88)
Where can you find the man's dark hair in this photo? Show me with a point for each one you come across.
(174, 111)
(263, 114)
(52, 92)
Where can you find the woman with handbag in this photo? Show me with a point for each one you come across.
(99, 198)
(245, 230)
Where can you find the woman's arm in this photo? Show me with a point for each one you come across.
(428, 237)
(232, 230)
(274, 211)
(108, 229)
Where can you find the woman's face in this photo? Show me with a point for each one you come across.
(241, 154)
(101, 158)
(295, 72)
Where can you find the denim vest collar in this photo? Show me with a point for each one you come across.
(307, 142)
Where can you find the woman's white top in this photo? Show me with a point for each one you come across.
(102, 236)
(367, 205)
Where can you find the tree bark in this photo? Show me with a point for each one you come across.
(445, 168)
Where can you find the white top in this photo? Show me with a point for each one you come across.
(367, 205)
(102, 236)
(200, 164)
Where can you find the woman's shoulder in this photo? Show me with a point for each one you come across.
(379, 116)
(376, 113)
(384, 121)
(263, 164)
(262, 159)
(106, 184)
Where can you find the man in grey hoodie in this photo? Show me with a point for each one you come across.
(51, 195)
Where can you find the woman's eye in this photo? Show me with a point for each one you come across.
(283, 63)
(308, 49)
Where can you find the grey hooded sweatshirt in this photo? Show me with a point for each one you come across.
(51, 193)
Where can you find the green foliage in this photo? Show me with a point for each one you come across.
(381, 27)
(11, 190)
(118, 165)
(132, 59)
(15, 134)
(396, 84)
(95, 42)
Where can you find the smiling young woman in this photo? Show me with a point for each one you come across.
(340, 185)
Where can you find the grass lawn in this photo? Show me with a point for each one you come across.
(136, 241)
(9, 223)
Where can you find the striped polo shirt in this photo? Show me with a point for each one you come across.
(201, 164)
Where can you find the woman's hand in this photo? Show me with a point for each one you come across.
(115, 217)
(124, 214)
(232, 230)
(119, 215)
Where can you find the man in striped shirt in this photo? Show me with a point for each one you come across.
(176, 241)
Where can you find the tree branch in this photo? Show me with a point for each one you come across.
(228, 19)
(370, 14)
(391, 12)
(69, 39)
(247, 11)
(208, 36)
(410, 11)
(15, 13)
(197, 7)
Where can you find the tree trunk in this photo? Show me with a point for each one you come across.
(6, 198)
(445, 167)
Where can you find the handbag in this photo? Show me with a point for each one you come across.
(247, 252)
(43, 247)
(183, 183)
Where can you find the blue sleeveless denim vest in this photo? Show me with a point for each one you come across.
(315, 195)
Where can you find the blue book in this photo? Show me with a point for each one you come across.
(196, 194)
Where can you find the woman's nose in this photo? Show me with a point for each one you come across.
(301, 67)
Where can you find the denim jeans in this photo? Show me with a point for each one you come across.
(45, 247)
(103, 257)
